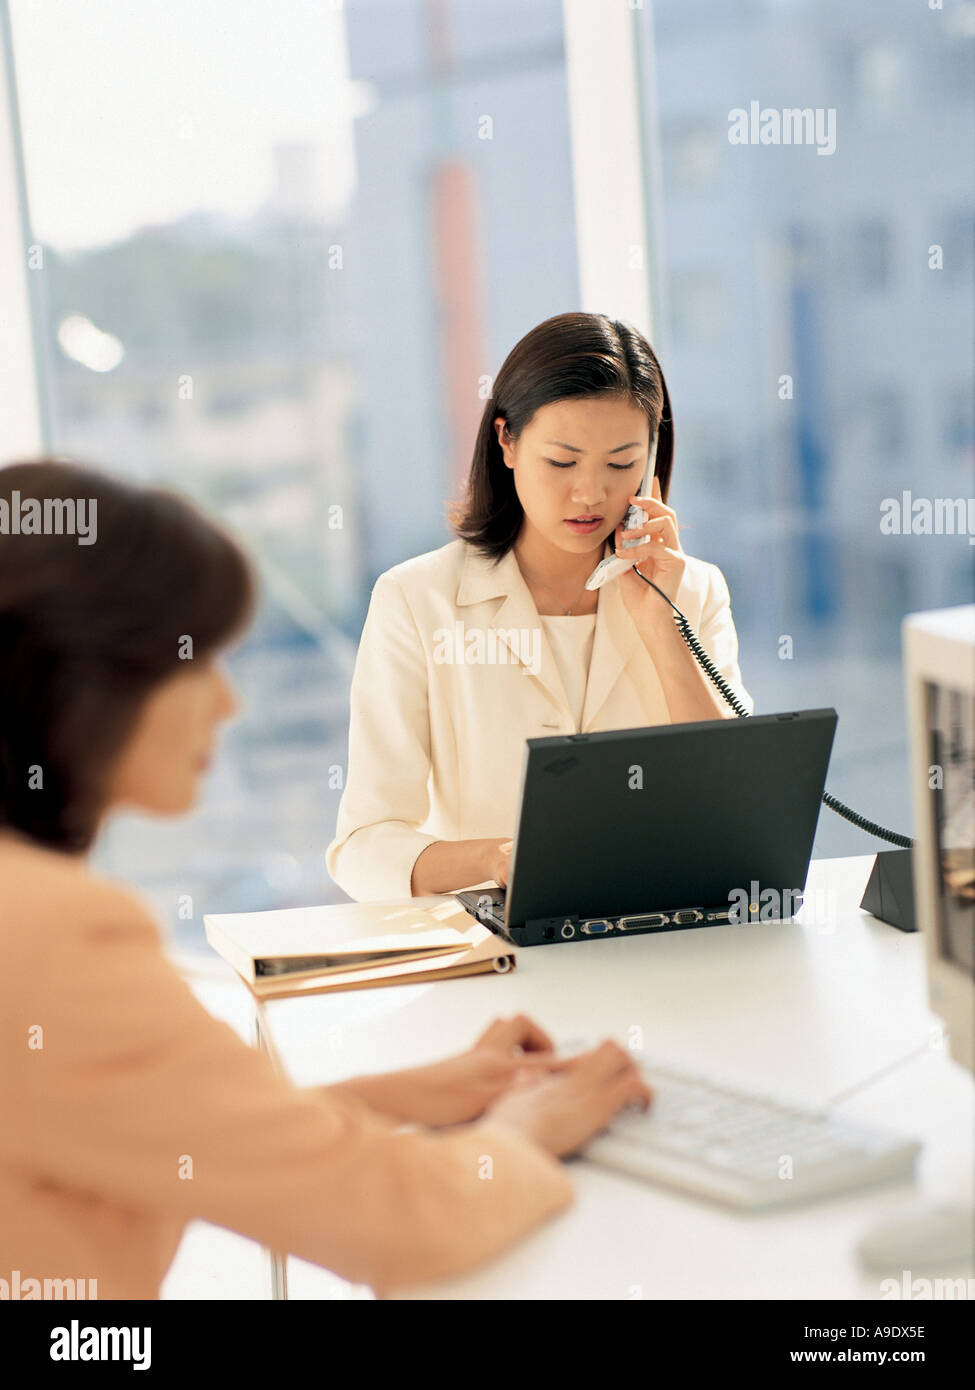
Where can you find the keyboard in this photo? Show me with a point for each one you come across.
(742, 1149)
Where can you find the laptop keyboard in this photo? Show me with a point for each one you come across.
(474, 900)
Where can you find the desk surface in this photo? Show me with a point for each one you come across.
(809, 1008)
(830, 1008)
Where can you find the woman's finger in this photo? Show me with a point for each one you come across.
(654, 526)
(606, 1060)
(643, 526)
(529, 1036)
(520, 1031)
(654, 506)
(661, 532)
(542, 1061)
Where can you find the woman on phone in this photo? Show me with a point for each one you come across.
(126, 1110)
(469, 650)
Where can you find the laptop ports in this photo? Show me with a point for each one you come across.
(686, 917)
(596, 926)
(644, 920)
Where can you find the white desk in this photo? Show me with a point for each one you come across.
(829, 1008)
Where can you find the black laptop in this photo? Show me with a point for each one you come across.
(652, 829)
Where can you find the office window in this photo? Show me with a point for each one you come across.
(950, 75)
(707, 460)
(871, 251)
(959, 428)
(877, 424)
(831, 391)
(692, 154)
(698, 305)
(883, 82)
(282, 294)
(288, 241)
(958, 244)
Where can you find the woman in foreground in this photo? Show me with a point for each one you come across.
(126, 1110)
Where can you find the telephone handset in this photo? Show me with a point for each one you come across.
(614, 565)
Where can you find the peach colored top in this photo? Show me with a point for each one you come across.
(112, 1074)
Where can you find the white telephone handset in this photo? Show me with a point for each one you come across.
(614, 565)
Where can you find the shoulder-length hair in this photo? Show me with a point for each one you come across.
(566, 356)
(88, 630)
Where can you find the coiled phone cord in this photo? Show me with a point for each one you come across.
(708, 666)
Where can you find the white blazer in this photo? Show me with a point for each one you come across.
(454, 671)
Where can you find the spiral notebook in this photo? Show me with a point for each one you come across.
(306, 950)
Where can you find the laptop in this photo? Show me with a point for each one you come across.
(628, 831)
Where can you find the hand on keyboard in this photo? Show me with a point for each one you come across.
(563, 1110)
(500, 862)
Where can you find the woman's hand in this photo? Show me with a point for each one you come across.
(499, 858)
(660, 558)
(514, 1035)
(561, 1113)
(459, 1089)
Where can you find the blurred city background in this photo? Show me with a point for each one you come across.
(284, 244)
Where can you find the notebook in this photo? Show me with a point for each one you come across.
(305, 950)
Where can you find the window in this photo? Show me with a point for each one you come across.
(958, 244)
(871, 251)
(256, 220)
(692, 151)
(866, 336)
(959, 425)
(882, 82)
(699, 307)
(283, 248)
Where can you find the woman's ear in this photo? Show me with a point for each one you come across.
(504, 439)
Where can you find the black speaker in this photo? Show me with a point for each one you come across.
(889, 893)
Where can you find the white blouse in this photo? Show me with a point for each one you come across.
(455, 671)
(571, 639)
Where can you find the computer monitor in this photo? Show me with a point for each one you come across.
(939, 670)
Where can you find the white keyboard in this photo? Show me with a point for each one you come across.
(743, 1149)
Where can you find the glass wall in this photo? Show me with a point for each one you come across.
(280, 249)
(814, 321)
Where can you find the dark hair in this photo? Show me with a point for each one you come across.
(566, 356)
(87, 630)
